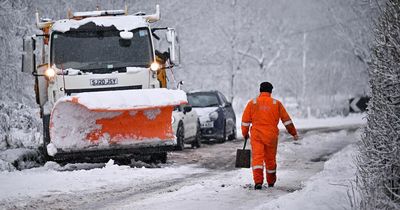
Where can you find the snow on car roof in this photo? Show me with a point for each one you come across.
(122, 23)
(203, 91)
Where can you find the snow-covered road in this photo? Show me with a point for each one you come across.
(192, 179)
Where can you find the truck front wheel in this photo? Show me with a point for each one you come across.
(46, 136)
(159, 157)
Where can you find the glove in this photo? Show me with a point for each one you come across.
(246, 136)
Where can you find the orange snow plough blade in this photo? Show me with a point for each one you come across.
(137, 126)
(75, 124)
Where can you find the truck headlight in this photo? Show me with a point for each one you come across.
(155, 66)
(49, 74)
(213, 115)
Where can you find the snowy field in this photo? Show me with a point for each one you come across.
(314, 173)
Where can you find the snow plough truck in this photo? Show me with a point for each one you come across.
(101, 85)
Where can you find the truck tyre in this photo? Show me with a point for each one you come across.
(46, 136)
(159, 157)
(180, 137)
(163, 157)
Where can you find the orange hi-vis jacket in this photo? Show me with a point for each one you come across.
(263, 114)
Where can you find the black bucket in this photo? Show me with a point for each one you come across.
(243, 157)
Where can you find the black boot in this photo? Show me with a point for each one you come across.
(270, 185)
(258, 186)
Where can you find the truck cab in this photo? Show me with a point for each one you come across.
(109, 53)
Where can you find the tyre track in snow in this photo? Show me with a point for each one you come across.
(217, 158)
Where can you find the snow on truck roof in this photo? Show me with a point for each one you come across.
(122, 23)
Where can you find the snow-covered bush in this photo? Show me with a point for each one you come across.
(19, 126)
(379, 160)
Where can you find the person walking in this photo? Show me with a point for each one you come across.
(263, 114)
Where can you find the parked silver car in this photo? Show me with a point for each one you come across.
(186, 126)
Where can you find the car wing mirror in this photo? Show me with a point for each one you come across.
(187, 108)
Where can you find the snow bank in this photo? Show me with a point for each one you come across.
(19, 136)
(6, 166)
(128, 99)
(122, 23)
(330, 189)
(309, 123)
(316, 123)
(19, 158)
(46, 181)
(19, 126)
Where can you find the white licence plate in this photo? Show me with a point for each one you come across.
(100, 82)
(207, 125)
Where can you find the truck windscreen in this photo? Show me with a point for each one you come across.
(100, 50)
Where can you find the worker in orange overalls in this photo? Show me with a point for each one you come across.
(263, 114)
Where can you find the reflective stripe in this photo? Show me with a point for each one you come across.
(245, 124)
(287, 122)
(254, 100)
(274, 102)
(258, 167)
(270, 171)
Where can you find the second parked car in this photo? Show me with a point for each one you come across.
(217, 117)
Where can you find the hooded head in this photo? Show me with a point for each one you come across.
(266, 87)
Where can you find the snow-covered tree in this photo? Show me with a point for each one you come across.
(379, 159)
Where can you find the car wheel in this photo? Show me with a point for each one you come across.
(223, 139)
(233, 135)
(180, 135)
(197, 142)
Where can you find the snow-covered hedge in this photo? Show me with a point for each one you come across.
(379, 160)
(19, 136)
(19, 126)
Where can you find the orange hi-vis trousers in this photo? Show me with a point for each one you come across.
(264, 153)
(263, 114)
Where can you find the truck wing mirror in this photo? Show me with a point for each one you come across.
(28, 56)
(180, 84)
(174, 50)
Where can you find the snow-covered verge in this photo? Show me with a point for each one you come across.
(312, 123)
(332, 188)
(19, 136)
(352, 120)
